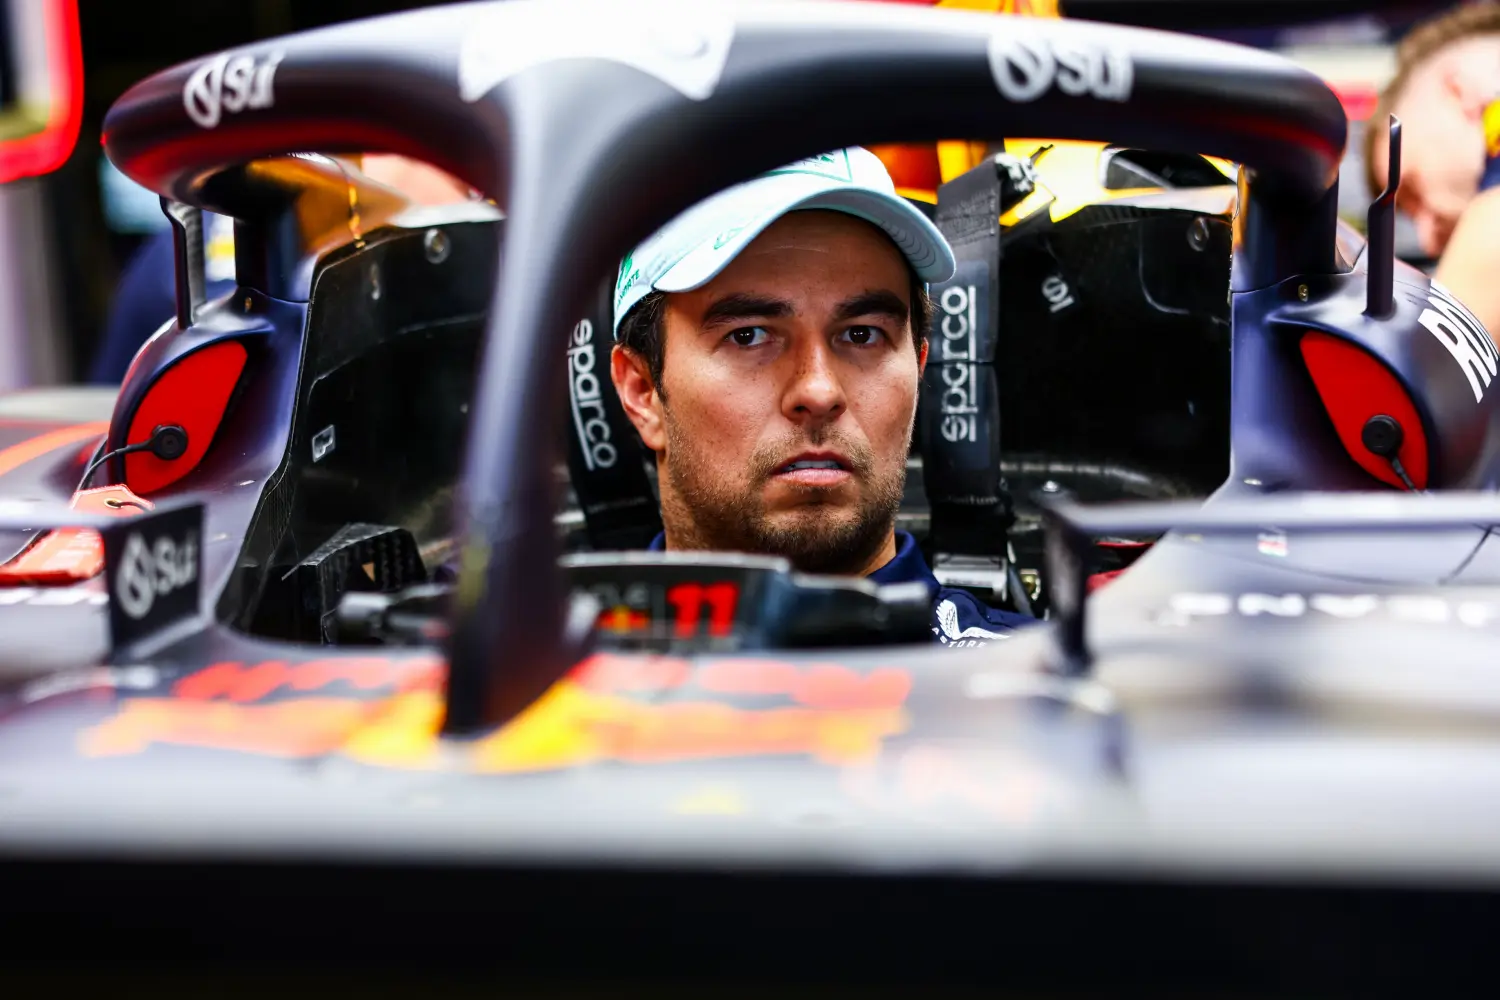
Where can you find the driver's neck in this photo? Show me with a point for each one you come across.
(688, 541)
(883, 555)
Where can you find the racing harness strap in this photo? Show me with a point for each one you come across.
(960, 436)
(604, 456)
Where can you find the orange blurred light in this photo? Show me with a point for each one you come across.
(46, 150)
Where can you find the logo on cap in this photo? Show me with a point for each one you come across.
(628, 275)
(835, 165)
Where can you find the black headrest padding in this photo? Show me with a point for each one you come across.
(960, 426)
(605, 460)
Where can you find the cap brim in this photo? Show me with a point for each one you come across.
(912, 232)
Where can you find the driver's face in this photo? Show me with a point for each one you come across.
(788, 395)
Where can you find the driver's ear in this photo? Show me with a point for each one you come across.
(922, 358)
(632, 378)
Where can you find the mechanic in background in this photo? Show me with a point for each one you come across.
(1446, 92)
(145, 297)
(770, 347)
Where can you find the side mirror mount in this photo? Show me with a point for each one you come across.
(1380, 301)
(188, 253)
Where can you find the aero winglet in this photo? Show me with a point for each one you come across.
(1380, 295)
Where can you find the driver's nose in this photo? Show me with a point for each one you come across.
(814, 394)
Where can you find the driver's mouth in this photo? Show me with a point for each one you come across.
(815, 470)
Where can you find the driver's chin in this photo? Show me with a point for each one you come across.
(835, 533)
(790, 505)
(812, 518)
(824, 544)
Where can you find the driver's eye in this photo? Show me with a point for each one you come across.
(862, 336)
(750, 336)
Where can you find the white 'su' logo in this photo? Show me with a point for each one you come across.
(229, 84)
(135, 586)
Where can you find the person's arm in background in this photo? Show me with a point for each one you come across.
(145, 298)
(1470, 265)
(146, 295)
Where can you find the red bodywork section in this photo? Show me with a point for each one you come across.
(1354, 387)
(193, 393)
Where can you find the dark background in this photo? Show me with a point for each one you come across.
(126, 41)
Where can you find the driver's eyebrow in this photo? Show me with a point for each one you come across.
(742, 306)
(879, 303)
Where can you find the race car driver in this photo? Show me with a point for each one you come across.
(770, 345)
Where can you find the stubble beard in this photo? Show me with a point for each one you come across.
(708, 513)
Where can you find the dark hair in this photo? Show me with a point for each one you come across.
(1426, 40)
(643, 332)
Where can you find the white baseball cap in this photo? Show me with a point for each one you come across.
(690, 250)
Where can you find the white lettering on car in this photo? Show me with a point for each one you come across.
(588, 403)
(323, 443)
(1357, 606)
(229, 84)
(1464, 337)
(959, 406)
(1418, 609)
(148, 572)
(1283, 606)
(1056, 291)
(1027, 65)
